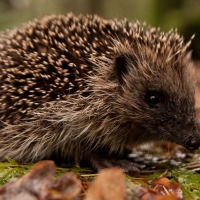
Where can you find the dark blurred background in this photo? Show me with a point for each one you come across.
(183, 14)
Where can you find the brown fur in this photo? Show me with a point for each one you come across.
(74, 85)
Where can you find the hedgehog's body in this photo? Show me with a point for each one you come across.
(71, 86)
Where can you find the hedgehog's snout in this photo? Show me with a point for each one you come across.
(192, 143)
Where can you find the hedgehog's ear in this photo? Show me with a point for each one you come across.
(121, 65)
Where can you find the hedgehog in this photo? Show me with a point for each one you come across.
(83, 88)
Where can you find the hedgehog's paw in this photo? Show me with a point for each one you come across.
(99, 162)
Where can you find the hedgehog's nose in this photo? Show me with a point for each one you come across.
(191, 143)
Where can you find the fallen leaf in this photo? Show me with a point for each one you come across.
(167, 188)
(39, 184)
(109, 185)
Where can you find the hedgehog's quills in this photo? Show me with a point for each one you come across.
(86, 88)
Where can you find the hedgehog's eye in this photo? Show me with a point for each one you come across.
(153, 98)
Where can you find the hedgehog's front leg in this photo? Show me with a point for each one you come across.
(99, 162)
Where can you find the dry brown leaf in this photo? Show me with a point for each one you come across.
(109, 185)
(39, 184)
(167, 188)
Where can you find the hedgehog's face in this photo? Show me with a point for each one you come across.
(172, 117)
(160, 100)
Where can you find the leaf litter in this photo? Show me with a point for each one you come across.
(168, 172)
